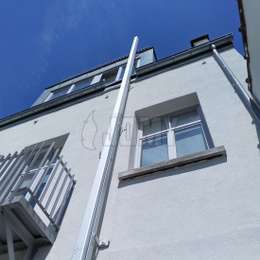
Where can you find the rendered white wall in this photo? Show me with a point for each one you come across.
(82, 156)
(205, 211)
(208, 211)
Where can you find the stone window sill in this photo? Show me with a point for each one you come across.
(209, 154)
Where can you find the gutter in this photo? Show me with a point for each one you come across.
(222, 42)
(245, 97)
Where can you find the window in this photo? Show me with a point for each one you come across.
(137, 62)
(58, 92)
(82, 84)
(171, 136)
(122, 72)
(109, 76)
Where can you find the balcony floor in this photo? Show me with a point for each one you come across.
(21, 215)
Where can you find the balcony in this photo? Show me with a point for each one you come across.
(32, 201)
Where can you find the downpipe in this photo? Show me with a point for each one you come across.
(88, 241)
(245, 97)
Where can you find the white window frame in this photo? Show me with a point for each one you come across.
(70, 89)
(170, 130)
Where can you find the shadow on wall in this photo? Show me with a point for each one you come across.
(187, 169)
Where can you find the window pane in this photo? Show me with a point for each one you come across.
(185, 118)
(154, 150)
(154, 125)
(36, 161)
(122, 71)
(109, 76)
(82, 84)
(59, 92)
(190, 141)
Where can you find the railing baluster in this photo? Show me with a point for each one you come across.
(50, 180)
(58, 195)
(9, 159)
(64, 201)
(15, 179)
(66, 169)
(3, 160)
(11, 173)
(54, 188)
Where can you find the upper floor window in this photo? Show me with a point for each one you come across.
(171, 136)
(58, 92)
(83, 84)
(105, 78)
(109, 76)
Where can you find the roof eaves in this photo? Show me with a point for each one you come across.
(188, 54)
(157, 65)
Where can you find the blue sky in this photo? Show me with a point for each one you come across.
(45, 41)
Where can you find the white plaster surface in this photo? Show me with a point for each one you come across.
(206, 211)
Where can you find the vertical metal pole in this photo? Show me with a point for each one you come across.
(85, 247)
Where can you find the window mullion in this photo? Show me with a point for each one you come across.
(171, 140)
(71, 88)
(171, 144)
(49, 97)
(204, 135)
(138, 156)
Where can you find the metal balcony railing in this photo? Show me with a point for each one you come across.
(35, 198)
(47, 187)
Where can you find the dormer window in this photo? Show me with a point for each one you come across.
(105, 78)
(109, 76)
(58, 92)
(85, 83)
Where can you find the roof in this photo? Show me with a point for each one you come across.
(66, 100)
(185, 55)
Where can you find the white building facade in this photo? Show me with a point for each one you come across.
(185, 177)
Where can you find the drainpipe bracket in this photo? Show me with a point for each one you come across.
(102, 244)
